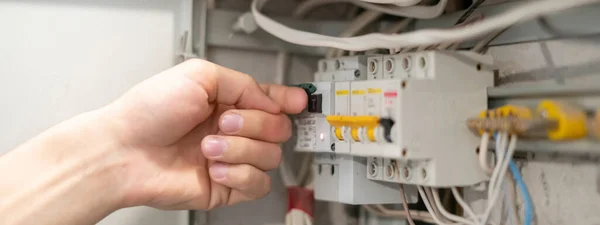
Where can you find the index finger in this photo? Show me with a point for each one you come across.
(227, 86)
(291, 99)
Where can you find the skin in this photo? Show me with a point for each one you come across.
(196, 136)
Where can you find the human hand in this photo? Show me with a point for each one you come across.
(199, 136)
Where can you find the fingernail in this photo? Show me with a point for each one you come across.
(213, 147)
(231, 123)
(218, 171)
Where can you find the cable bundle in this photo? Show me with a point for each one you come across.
(417, 38)
(300, 206)
(300, 195)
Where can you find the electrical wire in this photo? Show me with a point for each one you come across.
(436, 211)
(429, 207)
(501, 142)
(461, 201)
(405, 205)
(294, 216)
(415, 214)
(528, 203)
(395, 2)
(469, 11)
(510, 202)
(503, 166)
(396, 28)
(452, 217)
(362, 21)
(480, 46)
(454, 45)
(297, 217)
(416, 11)
(281, 66)
(305, 170)
(507, 184)
(287, 176)
(483, 150)
(527, 11)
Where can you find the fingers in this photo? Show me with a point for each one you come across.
(226, 86)
(248, 180)
(291, 99)
(240, 150)
(256, 124)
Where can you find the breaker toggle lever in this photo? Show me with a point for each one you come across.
(387, 125)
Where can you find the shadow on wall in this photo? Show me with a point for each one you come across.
(560, 73)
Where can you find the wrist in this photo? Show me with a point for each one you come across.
(71, 169)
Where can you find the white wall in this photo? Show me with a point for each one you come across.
(63, 57)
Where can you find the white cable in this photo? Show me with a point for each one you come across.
(298, 217)
(463, 203)
(399, 26)
(508, 189)
(415, 214)
(501, 143)
(480, 46)
(362, 21)
(305, 169)
(403, 3)
(436, 211)
(417, 11)
(396, 28)
(405, 205)
(281, 67)
(526, 11)
(483, 150)
(503, 168)
(452, 217)
(287, 176)
(429, 207)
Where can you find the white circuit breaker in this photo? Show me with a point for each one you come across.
(339, 176)
(405, 114)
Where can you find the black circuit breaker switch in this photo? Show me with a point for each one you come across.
(315, 103)
(387, 125)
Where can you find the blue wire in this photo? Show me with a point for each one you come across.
(523, 189)
(524, 192)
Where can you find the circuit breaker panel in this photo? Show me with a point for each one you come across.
(339, 177)
(398, 118)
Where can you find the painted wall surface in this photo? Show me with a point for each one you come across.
(64, 57)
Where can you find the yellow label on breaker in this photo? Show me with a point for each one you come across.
(374, 90)
(358, 92)
(341, 92)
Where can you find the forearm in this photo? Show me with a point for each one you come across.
(67, 175)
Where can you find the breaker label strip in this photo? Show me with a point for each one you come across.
(341, 92)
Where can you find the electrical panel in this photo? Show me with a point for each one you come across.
(339, 177)
(399, 118)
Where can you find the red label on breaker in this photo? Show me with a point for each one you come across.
(301, 199)
(390, 94)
